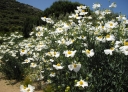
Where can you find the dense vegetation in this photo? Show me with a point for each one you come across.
(86, 51)
(13, 14)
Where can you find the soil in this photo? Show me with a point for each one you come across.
(10, 85)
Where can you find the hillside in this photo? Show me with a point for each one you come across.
(13, 14)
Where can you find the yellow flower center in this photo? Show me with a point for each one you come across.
(111, 24)
(125, 43)
(58, 64)
(83, 10)
(76, 15)
(112, 48)
(38, 33)
(54, 53)
(25, 87)
(88, 51)
(107, 36)
(26, 61)
(69, 52)
(28, 90)
(60, 29)
(81, 82)
(75, 65)
(99, 36)
(23, 50)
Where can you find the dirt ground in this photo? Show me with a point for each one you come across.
(10, 85)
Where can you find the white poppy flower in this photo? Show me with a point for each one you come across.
(82, 83)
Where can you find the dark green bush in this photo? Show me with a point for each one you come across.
(12, 68)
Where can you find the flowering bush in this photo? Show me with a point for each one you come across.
(78, 54)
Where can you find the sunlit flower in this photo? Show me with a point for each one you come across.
(33, 65)
(58, 66)
(77, 16)
(82, 37)
(110, 37)
(82, 83)
(68, 42)
(113, 5)
(59, 30)
(49, 20)
(40, 33)
(124, 49)
(43, 18)
(126, 42)
(28, 60)
(23, 52)
(89, 53)
(75, 67)
(121, 18)
(97, 12)
(111, 24)
(52, 74)
(107, 11)
(30, 88)
(117, 44)
(39, 28)
(82, 12)
(95, 6)
(81, 7)
(69, 53)
(101, 38)
(53, 53)
(109, 51)
(61, 41)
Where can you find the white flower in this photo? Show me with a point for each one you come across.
(117, 44)
(51, 60)
(111, 24)
(23, 52)
(40, 33)
(58, 66)
(82, 12)
(59, 30)
(113, 5)
(100, 38)
(97, 12)
(89, 53)
(82, 37)
(121, 18)
(82, 83)
(109, 51)
(33, 65)
(110, 37)
(81, 7)
(52, 74)
(61, 41)
(39, 28)
(49, 20)
(43, 18)
(28, 60)
(30, 88)
(68, 42)
(55, 54)
(69, 53)
(124, 49)
(75, 67)
(95, 6)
